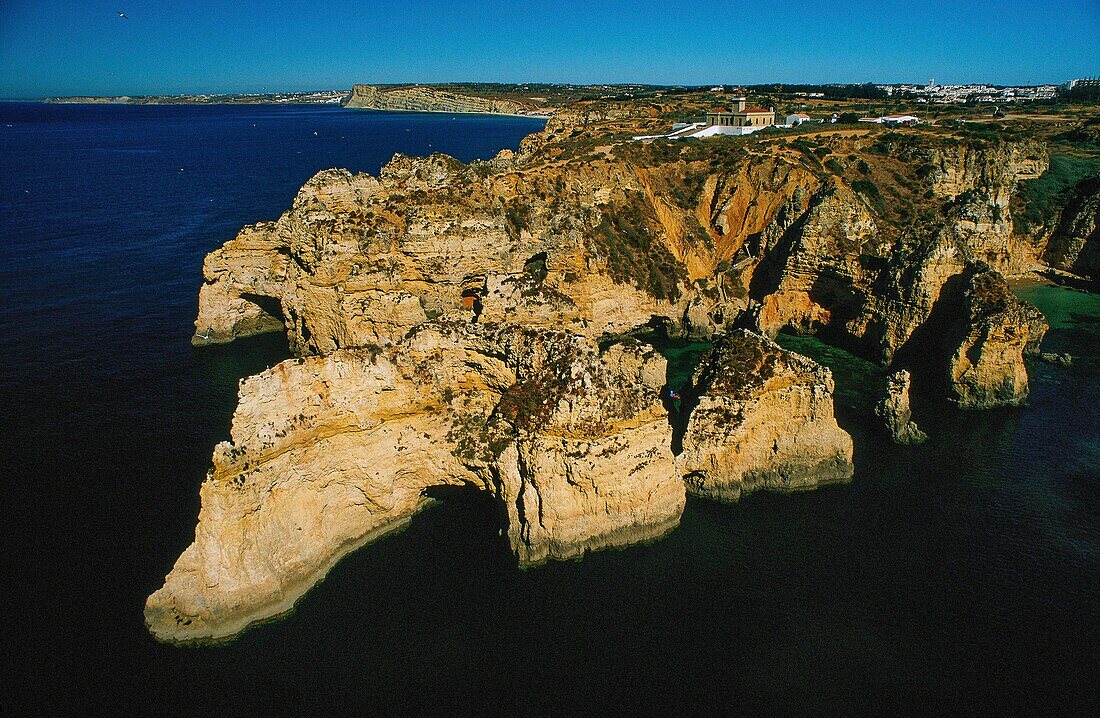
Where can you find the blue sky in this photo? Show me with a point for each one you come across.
(60, 47)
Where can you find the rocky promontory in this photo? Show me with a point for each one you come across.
(472, 325)
(330, 452)
(428, 99)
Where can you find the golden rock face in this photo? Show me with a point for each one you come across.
(330, 452)
(763, 237)
(761, 417)
(463, 325)
(995, 330)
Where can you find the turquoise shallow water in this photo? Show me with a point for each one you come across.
(1074, 318)
(949, 577)
(859, 383)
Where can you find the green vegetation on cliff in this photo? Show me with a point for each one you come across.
(635, 254)
(1040, 200)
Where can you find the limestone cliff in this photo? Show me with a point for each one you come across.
(866, 272)
(606, 242)
(427, 99)
(1075, 245)
(359, 260)
(330, 452)
(760, 417)
(464, 324)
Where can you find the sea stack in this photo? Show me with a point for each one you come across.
(893, 409)
(994, 331)
(760, 417)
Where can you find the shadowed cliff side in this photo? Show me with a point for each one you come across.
(1075, 244)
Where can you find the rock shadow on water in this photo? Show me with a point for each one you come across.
(458, 526)
(473, 512)
(678, 396)
(859, 383)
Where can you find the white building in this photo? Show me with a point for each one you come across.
(893, 120)
(905, 120)
(798, 119)
(740, 119)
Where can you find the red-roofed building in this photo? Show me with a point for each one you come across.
(740, 115)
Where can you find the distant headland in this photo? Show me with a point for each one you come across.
(320, 97)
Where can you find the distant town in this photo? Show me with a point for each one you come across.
(953, 94)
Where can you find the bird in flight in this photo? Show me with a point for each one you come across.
(122, 15)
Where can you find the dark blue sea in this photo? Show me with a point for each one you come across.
(961, 576)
